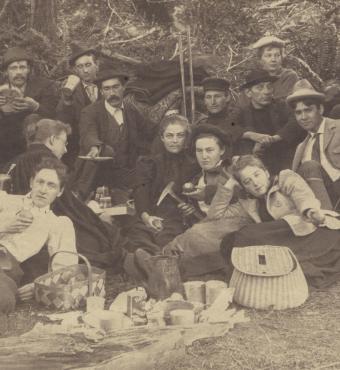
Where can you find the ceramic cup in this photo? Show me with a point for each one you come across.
(213, 289)
(195, 291)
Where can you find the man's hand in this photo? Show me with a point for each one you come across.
(260, 138)
(3, 100)
(153, 222)
(25, 293)
(25, 104)
(16, 223)
(173, 250)
(94, 152)
(186, 209)
(315, 216)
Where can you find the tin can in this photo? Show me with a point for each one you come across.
(136, 303)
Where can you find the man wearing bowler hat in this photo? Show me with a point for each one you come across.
(21, 94)
(79, 91)
(217, 103)
(109, 129)
(317, 158)
(270, 129)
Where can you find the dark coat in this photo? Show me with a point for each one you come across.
(71, 114)
(12, 140)
(282, 122)
(96, 130)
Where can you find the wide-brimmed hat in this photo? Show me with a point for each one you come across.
(78, 51)
(15, 54)
(268, 40)
(257, 76)
(216, 84)
(206, 128)
(107, 74)
(303, 89)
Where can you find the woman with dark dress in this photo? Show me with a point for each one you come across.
(281, 211)
(158, 221)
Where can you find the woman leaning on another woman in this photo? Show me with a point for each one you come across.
(278, 210)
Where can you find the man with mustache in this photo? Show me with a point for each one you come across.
(109, 128)
(84, 66)
(269, 128)
(21, 95)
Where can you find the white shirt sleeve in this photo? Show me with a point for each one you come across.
(62, 238)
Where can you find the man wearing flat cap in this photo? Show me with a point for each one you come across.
(270, 129)
(21, 94)
(217, 103)
(109, 129)
(78, 92)
(317, 158)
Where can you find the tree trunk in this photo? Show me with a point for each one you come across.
(43, 17)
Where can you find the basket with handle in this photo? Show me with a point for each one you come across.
(67, 288)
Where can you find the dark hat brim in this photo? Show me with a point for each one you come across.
(257, 81)
(6, 63)
(81, 53)
(111, 74)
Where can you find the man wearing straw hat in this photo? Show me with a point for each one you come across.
(270, 51)
(21, 95)
(317, 158)
(79, 91)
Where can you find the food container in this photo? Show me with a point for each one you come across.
(213, 289)
(195, 291)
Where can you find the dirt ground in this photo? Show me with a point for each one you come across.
(304, 338)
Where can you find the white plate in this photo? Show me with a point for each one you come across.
(95, 159)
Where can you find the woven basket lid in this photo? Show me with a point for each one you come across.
(263, 260)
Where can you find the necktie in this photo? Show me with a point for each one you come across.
(91, 92)
(316, 148)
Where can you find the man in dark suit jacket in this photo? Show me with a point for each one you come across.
(269, 128)
(317, 158)
(84, 64)
(109, 128)
(21, 95)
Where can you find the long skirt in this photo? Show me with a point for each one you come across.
(318, 252)
(201, 246)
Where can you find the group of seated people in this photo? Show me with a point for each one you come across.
(266, 171)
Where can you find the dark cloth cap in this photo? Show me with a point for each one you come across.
(214, 83)
(207, 128)
(78, 52)
(257, 76)
(107, 74)
(15, 54)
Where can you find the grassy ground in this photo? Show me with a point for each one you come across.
(304, 338)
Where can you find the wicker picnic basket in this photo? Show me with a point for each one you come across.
(68, 287)
(267, 276)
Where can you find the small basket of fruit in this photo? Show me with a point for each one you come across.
(67, 288)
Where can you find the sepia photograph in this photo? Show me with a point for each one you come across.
(170, 184)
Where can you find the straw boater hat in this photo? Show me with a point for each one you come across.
(304, 89)
(257, 76)
(268, 40)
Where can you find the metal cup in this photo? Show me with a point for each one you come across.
(70, 85)
(5, 182)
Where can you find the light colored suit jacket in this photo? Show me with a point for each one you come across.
(288, 198)
(331, 145)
